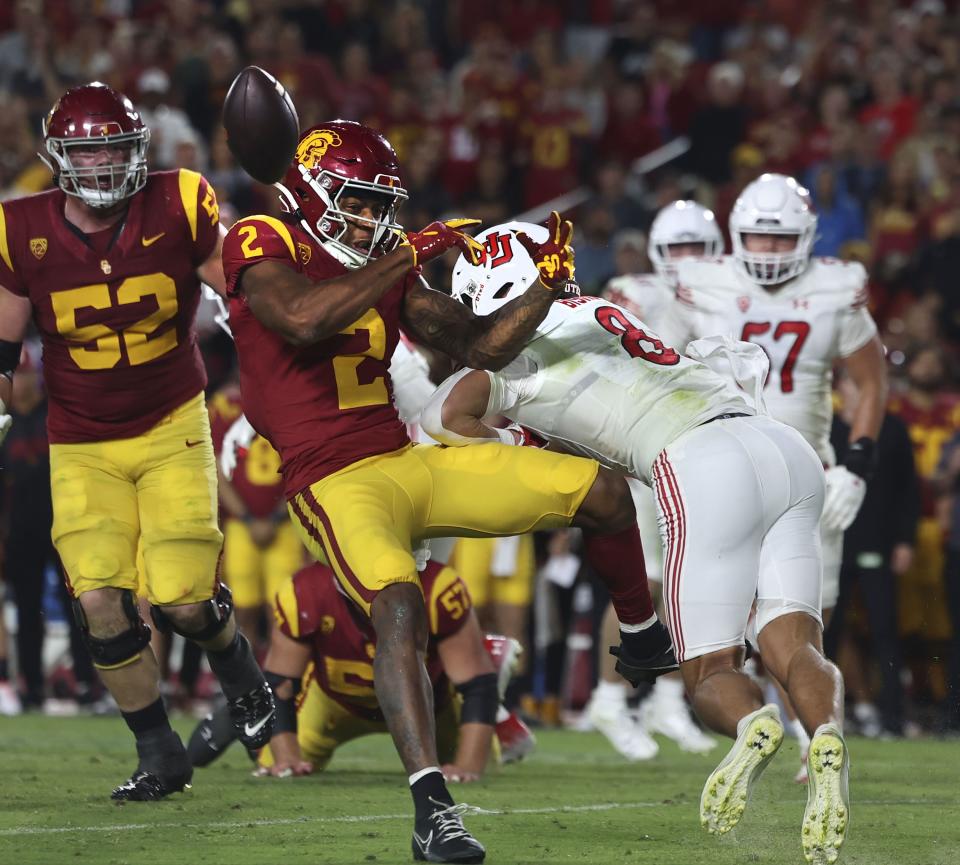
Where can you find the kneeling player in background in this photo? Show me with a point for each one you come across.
(321, 667)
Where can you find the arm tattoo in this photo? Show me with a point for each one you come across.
(487, 342)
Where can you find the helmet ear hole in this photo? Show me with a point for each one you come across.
(503, 291)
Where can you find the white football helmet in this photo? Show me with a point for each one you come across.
(682, 222)
(506, 271)
(773, 204)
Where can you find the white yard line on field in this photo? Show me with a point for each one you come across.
(373, 818)
(289, 821)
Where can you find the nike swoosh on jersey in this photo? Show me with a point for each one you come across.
(191, 444)
(252, 730)
(147, 241)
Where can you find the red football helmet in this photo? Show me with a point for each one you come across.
(95, 115)
(336, 160)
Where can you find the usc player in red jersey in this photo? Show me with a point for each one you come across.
(321, 658)
(261, 549)
(316, 304)
(109, 266)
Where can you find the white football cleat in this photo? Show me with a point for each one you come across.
(827, 814)
(622, 731)
(9, 700)
(505, 653)
(728, 788)
(673, 721)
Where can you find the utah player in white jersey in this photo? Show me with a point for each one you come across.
(739, 497)
(807, 314)
(682, 229)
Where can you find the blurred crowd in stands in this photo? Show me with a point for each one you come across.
(497, 108)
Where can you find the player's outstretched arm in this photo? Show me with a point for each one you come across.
(468, 666)
(303, 311)
(284, 666)
(492, 341)
(454, 416)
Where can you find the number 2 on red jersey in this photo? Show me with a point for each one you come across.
(799, 330)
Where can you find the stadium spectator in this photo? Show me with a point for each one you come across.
(878, 550)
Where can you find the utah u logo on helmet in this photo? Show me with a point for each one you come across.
(312, 149)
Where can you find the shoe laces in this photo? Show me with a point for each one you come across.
(449, 819)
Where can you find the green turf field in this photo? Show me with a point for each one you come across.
(574, 801)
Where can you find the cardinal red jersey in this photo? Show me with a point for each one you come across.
(311, 608)
(322, 406)
(257, 477)
(115, 308)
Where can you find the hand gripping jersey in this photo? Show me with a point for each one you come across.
(115, 309)
(256, 477)
(598, 380)
(322, 406)
(804, 327)
(311, 608)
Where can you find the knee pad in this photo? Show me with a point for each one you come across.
(111, 653)
(216, 615)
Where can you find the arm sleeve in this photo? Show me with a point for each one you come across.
(256, 239)
(297, 604)
(512, 386)
(449, 601)
(9, 278)
(857, 326)
(202, 213)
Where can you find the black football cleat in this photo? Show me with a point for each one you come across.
(148, 787)
(655, 657)
(211, 737)
(164, 769)
(441, 837)
(254, 715)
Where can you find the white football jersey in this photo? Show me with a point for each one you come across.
(803, 327)
(597, 380)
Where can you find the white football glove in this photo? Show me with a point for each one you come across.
(238, 438)
(6, 421)
(845, 492)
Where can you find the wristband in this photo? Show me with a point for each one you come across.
(861, 457)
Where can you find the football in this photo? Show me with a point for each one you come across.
(262, 124)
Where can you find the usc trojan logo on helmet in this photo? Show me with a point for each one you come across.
(312, 149)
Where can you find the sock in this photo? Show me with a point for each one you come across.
(4, 670)
(151, 722)
(668, 690)
(235, 667)
(426, 785)
(618, 561)
(803, 740)
(611, 694)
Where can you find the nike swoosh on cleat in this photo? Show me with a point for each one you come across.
(148, 241)
(249, 730)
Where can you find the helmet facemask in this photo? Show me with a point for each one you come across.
(330, 228)
(773, 268)
(104, 185)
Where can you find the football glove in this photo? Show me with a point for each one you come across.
(6, 421)
(438, 237)
(553, 258)
(236, 442)
(845, 492)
